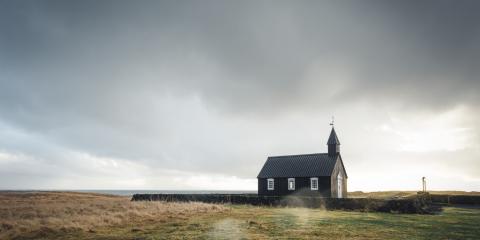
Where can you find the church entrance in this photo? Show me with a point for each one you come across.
(339, 185)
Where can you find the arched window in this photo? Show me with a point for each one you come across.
(291, 184)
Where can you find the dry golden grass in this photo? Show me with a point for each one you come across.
(42, 214)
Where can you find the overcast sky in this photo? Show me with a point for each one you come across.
(196, 94)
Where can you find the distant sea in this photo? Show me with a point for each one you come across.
(131, 192)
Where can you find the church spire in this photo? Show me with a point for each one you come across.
(333, 142)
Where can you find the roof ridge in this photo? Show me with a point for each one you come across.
(295, 155)
(302, 165)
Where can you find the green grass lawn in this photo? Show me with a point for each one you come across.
(247, 222)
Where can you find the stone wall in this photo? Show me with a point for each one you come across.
(455, 199)
(413, 205)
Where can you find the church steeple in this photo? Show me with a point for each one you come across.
(333, 143)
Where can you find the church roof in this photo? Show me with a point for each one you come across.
(333, 139)
(305, 165)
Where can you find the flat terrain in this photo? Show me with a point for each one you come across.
(400, 194)
(55, 215)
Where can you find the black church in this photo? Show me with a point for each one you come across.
(317, 174)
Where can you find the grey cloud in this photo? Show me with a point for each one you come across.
(253, 54)
(182, 85)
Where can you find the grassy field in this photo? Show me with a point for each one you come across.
(400, 194)
(94, 216)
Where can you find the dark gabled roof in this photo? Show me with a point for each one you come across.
(306, 165)
(333, 139)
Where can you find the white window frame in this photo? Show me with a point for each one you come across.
(272, 186)
(293, 186)
(313, 179)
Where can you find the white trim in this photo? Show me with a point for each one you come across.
(291, 188)
(272, 186)
(339, 185)
(312, 180)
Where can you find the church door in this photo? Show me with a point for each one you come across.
(339, 185)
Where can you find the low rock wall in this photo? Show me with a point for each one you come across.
(414, 205)
(455, 199)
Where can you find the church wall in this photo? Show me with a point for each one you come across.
(302, 187)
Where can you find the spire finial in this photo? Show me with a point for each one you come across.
(333, 121)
